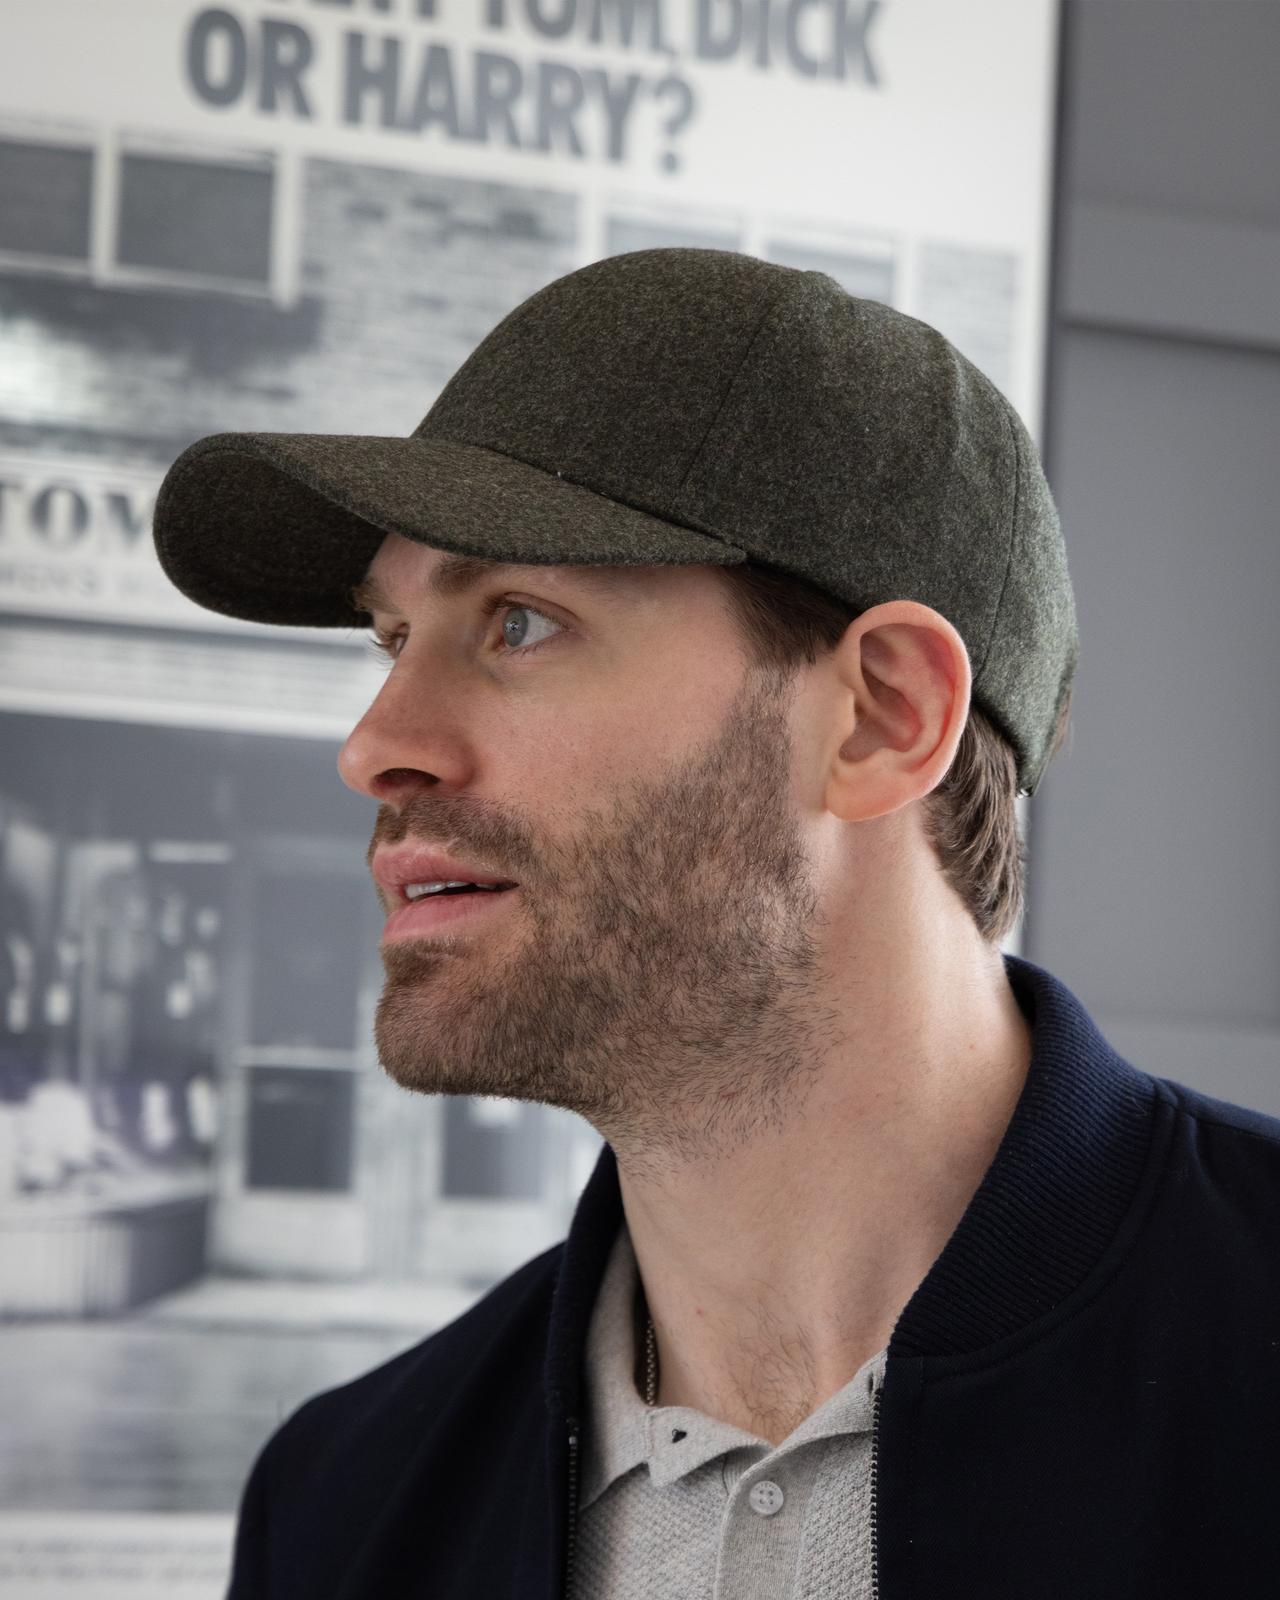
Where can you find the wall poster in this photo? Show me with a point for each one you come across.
(302, 215)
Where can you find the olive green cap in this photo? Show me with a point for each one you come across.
(680, 407)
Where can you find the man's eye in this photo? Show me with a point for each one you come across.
(520, 645)
(388, 645)
(385, 644)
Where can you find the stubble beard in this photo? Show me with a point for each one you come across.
(665, 983)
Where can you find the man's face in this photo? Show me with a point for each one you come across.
(632, 774)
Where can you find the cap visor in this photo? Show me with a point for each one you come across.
(278, 527)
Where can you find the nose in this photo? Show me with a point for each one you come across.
(403, 741)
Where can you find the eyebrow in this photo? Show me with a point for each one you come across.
(457, 574)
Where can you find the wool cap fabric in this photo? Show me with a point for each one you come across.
(673, 406)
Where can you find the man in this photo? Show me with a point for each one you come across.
(892, 1278)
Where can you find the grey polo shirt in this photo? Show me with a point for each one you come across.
(675, 1505)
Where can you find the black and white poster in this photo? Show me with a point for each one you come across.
(302, 215)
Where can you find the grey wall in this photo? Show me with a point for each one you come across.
(1155, 873)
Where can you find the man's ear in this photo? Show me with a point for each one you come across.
(908, 672)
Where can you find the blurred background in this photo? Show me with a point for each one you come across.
(302, 217)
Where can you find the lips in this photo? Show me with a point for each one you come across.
(393, 869)
(419, 919)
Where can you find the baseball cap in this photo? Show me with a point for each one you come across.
(673, 406)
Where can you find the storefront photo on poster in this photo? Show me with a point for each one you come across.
(299, 215)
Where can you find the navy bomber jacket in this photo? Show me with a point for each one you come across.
(1081, 1400)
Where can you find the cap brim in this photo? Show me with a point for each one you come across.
(278, 527)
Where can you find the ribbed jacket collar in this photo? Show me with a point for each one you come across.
(1046, 1209)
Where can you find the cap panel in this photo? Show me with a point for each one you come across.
(613, 375)
(860, 450)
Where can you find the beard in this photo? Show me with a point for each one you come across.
(658, 972)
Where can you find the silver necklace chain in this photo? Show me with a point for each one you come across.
(651, 1364)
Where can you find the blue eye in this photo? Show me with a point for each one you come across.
(388, 645)
(514, 633)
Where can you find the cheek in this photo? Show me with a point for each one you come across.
(551, 760)
(570, 745)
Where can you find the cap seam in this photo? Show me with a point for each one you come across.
(728, 390)
(1013, 533)
(613, 499)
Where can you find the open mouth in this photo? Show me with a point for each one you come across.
(445, 908)
(461, 888)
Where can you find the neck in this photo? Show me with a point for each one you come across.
(774, 1269)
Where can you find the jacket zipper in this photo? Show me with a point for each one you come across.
(573, 1505)
(875, 1538)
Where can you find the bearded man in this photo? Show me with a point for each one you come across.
(727, 616)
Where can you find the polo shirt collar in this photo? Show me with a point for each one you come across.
(625, 1432)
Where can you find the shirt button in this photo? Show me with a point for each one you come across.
(765, 1497)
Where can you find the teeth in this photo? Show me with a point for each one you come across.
(415, 891)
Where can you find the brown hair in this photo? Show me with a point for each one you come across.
(969, 817)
